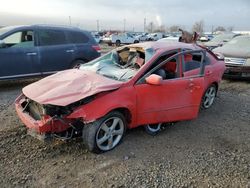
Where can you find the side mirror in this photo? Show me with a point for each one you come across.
(154, 79)
(2, 44)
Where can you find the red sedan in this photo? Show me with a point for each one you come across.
(144, 84)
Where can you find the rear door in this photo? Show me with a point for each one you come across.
(19, 56)
(55, 52)
(177, 98)
(83, 45)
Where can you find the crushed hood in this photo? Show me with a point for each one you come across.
(66, 87)
(212, 43)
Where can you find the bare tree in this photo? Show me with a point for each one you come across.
(174, 28)
(220, 28)
(198, 27)
(160, 29)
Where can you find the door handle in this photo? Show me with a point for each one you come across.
(192, 86)
(70, 51)
(31, 54)
(208, 73)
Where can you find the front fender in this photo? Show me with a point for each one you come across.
(122, 98)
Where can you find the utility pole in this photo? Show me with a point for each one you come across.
(97, 25)
(124, 25)
(145, 23)
(151, 27)
(69, 20)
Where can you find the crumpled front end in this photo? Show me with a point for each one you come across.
(46, 119)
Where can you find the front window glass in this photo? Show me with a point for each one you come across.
(129, 35)
(22, 39)
(121, 64)
(170, 69)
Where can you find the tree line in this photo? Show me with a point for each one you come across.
(197, 27)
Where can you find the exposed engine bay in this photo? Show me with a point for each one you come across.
(55, 116)
(37, 111)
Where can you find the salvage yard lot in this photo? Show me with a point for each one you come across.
(213, 150)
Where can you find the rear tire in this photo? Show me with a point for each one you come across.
(106, 133)
(76, 64)
(153, 129)
(209, 97)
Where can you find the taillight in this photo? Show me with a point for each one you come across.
(97, 48)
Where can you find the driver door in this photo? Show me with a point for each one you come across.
(176, 98)
(19, 56)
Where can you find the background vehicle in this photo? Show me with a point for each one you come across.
(170, 38)
(27, 51)
(155, 36)
(220, 40)
(141, 84)
(122, 38)
(206, 38)
(237, 56)
(97, 37)
(143, 37)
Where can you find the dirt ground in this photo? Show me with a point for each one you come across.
(210, 151)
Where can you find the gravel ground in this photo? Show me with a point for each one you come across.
(210, 151)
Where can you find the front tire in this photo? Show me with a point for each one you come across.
(209, 97)
(106, 133)
(118, 43)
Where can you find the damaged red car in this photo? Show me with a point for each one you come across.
(144, 84)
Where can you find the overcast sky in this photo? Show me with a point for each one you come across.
(112, 13)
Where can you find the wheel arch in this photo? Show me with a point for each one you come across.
(216, 85)
(124, 111)
(89, 116)
(77, 59)
(80, 59)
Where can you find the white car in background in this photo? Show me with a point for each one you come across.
(142, 37)
(170, 38)
(122, 38)
(155, 36)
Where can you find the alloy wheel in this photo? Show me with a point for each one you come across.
(110, 133)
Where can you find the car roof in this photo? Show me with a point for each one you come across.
(166, 45)
(17, 27)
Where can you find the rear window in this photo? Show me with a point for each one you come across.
(77, 37)
(51, 37)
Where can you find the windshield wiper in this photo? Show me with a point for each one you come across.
(110, 76)
(100, 68)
